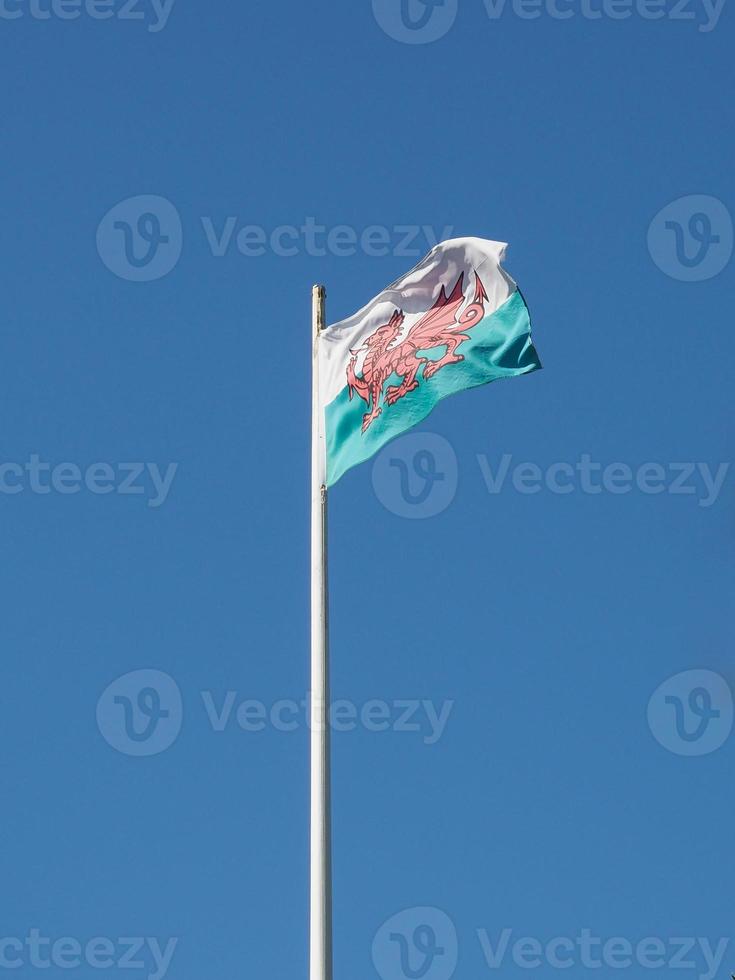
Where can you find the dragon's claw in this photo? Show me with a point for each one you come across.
(368, 419)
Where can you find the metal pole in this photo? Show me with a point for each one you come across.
(320, 933)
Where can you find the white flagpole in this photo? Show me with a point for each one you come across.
(320, 936)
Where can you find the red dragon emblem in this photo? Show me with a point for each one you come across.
(441, 326)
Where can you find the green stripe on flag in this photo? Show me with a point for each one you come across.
(500, 346)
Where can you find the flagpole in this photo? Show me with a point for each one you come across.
(320, 932)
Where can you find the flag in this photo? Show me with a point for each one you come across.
(455, 321)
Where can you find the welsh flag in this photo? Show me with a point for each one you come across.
(455, 321)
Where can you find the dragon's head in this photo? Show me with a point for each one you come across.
(385, 335)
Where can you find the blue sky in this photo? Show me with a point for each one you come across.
(162, 401)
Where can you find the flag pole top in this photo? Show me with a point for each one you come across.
(318, 297)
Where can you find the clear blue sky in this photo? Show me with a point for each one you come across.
(547, 805)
